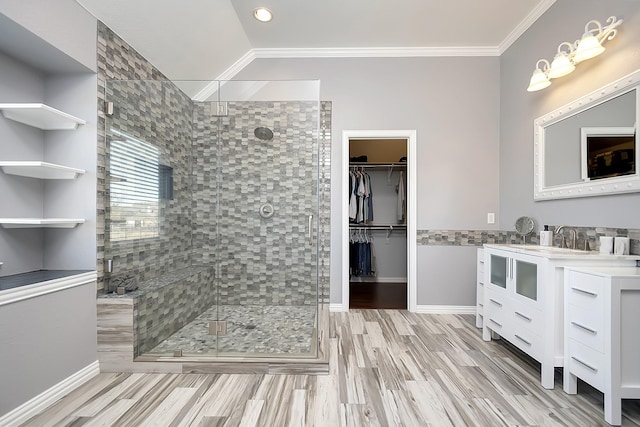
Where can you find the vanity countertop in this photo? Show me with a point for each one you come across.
(554, 252)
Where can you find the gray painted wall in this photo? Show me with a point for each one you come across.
(564, 21)
(448, 286)
(63, 24)
(41, 350)
(75, 248)
(21, 196)
(453, 103)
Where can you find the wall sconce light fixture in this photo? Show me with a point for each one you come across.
(569, 54)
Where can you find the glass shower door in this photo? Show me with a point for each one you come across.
(267, 216)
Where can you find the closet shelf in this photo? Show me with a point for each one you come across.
(381, 226)
(378, 165)
(40, 116)
(40, 222)
(40, 170)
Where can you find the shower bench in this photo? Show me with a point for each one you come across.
(136, 322)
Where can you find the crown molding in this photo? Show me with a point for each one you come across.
(237, 66)
(524, 25)
(360, 52)
(227, 74)
(374, 52)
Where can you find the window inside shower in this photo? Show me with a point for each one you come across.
(134, 188)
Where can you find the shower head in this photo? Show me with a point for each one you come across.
(263, 133)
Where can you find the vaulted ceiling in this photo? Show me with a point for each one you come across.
(213, 39)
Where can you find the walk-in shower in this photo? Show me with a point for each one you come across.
(185, 215)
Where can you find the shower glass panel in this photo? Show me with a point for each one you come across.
(267, 217)
(212, 213)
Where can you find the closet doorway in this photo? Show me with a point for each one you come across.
(379, 220)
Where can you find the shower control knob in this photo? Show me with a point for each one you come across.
(266, 210)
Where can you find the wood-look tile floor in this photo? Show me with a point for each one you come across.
(388, 368)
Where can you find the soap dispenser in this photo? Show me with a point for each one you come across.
(546, 237)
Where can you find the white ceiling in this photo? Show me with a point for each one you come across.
(213, 39)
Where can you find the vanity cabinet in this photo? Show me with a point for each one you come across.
(479, 287)
(523, 298)
(514, 300)
(602, 345)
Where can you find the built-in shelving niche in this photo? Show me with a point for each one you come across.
(43, 117)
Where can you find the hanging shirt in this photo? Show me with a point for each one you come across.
(360, 216)
(400, 206)
(369, 216)
(353, 204)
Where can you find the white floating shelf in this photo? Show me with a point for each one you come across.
(40, 116)
(40, 222)
(40, 170)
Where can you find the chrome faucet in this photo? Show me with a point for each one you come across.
(574, 236)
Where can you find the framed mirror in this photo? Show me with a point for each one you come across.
(589, 147)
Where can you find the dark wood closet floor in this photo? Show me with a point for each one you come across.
(374, 295)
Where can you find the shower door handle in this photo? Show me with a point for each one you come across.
(310, 230)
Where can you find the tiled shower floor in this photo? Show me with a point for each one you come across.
(253, 329)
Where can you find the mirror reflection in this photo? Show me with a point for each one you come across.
(589, 147)
(563, 141)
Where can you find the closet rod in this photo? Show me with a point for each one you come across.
(379, 226)
(377, 165)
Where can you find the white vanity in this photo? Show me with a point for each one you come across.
(602, 345)
(522, 298)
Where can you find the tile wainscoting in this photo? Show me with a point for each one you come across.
(480, 237)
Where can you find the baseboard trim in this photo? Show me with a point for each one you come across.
(446, 309)
(337, 307)
(32, 407)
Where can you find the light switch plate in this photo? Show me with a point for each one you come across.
(491, 218)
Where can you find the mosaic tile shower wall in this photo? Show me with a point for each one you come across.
(157, 113)
(116, 61)
(324, 211)
(259, 260)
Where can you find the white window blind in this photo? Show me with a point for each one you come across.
(134, 190)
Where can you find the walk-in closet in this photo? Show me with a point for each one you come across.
(377, 199)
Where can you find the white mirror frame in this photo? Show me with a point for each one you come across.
(615, 185)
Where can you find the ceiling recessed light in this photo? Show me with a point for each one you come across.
(262, 14)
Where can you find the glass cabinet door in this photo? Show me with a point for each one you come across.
(498, 270)
(526, 279)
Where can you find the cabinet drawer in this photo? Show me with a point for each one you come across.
(585, 290)
(586, 326)
(527, 341)
(496, 303)
(525, 316)
(496, 323)
(495, 312)
(480, 297)
(586, 363)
